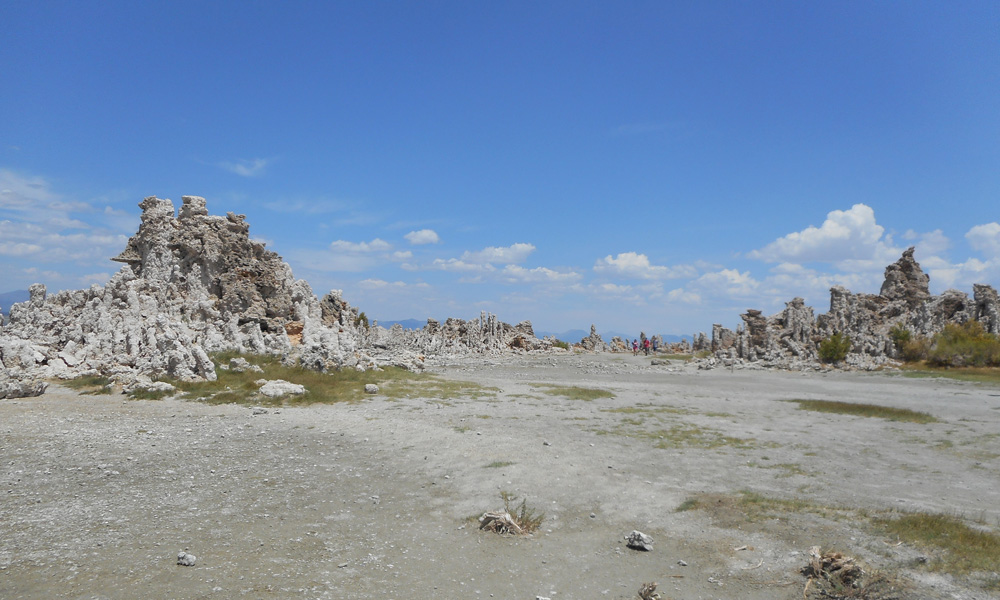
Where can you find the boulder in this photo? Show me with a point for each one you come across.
(276, 388)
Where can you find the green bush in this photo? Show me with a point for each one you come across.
(560, 344)
(900, 335)
(834, 348)
(965, 345)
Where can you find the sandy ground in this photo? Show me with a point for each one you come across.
(376, 499)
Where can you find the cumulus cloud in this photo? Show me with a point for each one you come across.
(454, 264)
(246, 168)
(517, 274)
(423, 236)
(40, 242)
(930, 243)
(727, 282)
(506, 255)
(683, 296)
(381, 284)
(376, 245)
(18, 248)
(845, 235)
(637, 266)
(985, 239)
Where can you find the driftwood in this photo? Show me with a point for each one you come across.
(647, 591)
(500, 522)
(835, 568)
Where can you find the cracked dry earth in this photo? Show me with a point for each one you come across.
(378, 498)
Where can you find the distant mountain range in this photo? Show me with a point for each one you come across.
(8, 298)
(575, 335)
(407, 324)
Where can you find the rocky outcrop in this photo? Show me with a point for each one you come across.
(486, 335)
(593, 342)
(906, 281)
(193, 284)
(791, 338)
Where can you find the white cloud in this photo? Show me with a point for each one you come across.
(423, 236)
(930, 243)
(513, 254)
(727, 282)
(402, 255)
(246, 168)
(683, 296)
(517, 274)
(845, 235)
(454, 264)
(637, 266)
(613, 288)
(381, 284)
(42, 243)
(18, 248)
(376, 245)
(985, 239)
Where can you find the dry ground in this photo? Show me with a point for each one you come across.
(377, 499)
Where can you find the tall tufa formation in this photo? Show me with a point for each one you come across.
(791, 338)
(193, 284)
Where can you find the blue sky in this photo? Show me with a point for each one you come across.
(638, 165)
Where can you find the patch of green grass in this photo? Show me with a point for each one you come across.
(693, 436)
(498, 464)
(680, 435)
(335, 386)
(90, 385)
(787, 469)
(985, 375)
(647, 409)
(957, 547)
(573, 392)
(431, 387)
(142, 394)
(733, 510)
(689, 504)
(865, 410)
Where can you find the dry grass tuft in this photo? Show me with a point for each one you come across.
(519, 521)
(836, 576)
(957, 547)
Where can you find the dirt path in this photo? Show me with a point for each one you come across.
(375, 499)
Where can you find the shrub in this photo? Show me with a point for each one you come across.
(361, 321)
(834, 348)
(560, 344)
(900, 335)
(915, 349)
(962, 345)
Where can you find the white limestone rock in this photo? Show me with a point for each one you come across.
(276, 388)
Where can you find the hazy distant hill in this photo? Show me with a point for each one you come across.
(8, 298)
(575, 335)
(407, 324)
